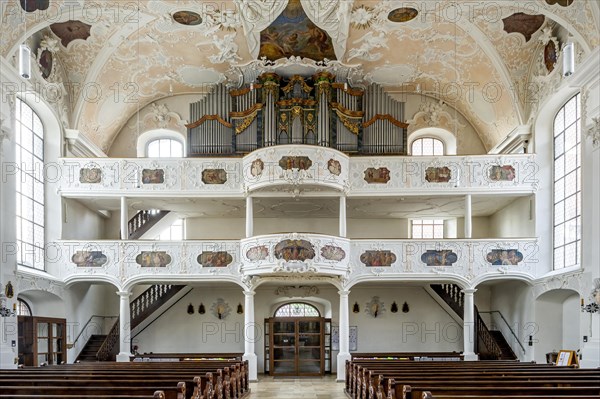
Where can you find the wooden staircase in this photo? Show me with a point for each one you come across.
(507, 352)
(143, 221)
(490, 344)
(140, 309)
(91, 348)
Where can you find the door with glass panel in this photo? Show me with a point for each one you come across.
(297, 346)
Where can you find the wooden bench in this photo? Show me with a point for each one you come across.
(211, 379)
(387, 378)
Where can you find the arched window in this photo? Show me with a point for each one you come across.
(427, 146)
(165, 148)
(23, 308)
(567, 185)
(29, 137)
(297, 309)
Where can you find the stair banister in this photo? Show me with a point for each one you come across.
(509, 327)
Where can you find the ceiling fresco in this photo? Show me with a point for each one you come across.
(117, 57)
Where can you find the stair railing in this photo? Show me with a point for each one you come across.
(140, 308)
(483, 333)
(512, 332)
(150, 300)
(105, 352)
(452, 294)
(143, 218)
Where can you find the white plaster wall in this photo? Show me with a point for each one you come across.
(514, 219)
(378, 228)
(125, 142)
(549, 337)
(467, 138)
(480, 227)
(81, 223)
(209, 228)
(572, 338)
(426, 327)
(234, 228)
(514, 299)
(178, 331)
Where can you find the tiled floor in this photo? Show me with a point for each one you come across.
(297, 388)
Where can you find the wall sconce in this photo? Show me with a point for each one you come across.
(24, 61)
(355, 308)
(190, 309)
(530, 342)
(240, 309)
(569, 58)
(405, 308)
(375, 307)
(394, 308)
(220, 309)
(201, 309)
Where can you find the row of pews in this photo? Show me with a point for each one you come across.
(404, 378)
(199, 379)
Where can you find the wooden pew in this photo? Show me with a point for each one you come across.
(394, 379)
(206, 380)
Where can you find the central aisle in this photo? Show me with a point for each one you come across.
(297, 388)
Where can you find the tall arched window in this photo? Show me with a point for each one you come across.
(567, 185)
(165, 148)
(23, 308)
(427, 146)
(29, 137)
(297, 309)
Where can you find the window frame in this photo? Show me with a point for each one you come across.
(577, 194)
(306, 304)
(24, 152)
(21, 303)
(421, 139)
(158, 139)
(434, 224)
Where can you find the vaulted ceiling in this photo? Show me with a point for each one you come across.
(113, 58)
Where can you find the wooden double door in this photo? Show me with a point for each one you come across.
(297, 346)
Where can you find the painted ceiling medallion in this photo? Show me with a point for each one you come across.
(524, 24)
(550, 55)
(189, 18)
(563, 3)
(294, 34)
(403, 14)
(33, 5)
(45, 62)
(71, 30)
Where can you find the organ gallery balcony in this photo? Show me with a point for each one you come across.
(125, 263)
(298, 166)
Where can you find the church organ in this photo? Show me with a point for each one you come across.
(297, 110)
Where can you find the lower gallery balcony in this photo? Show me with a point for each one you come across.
(125, 263)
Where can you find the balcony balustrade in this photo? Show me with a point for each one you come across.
(296, 166)
(128, 262)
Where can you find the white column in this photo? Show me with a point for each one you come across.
(124, 219)
(124, 327)
(344, 323)
(249, 217)
(469, 325)
(250, 335)
(468, 217)
(343, 216)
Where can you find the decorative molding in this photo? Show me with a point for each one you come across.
(593, 132)
(81, 146)
(302, 291)
(228, 49)
(162, 116)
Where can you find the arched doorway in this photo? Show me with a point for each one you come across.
(298, 340)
